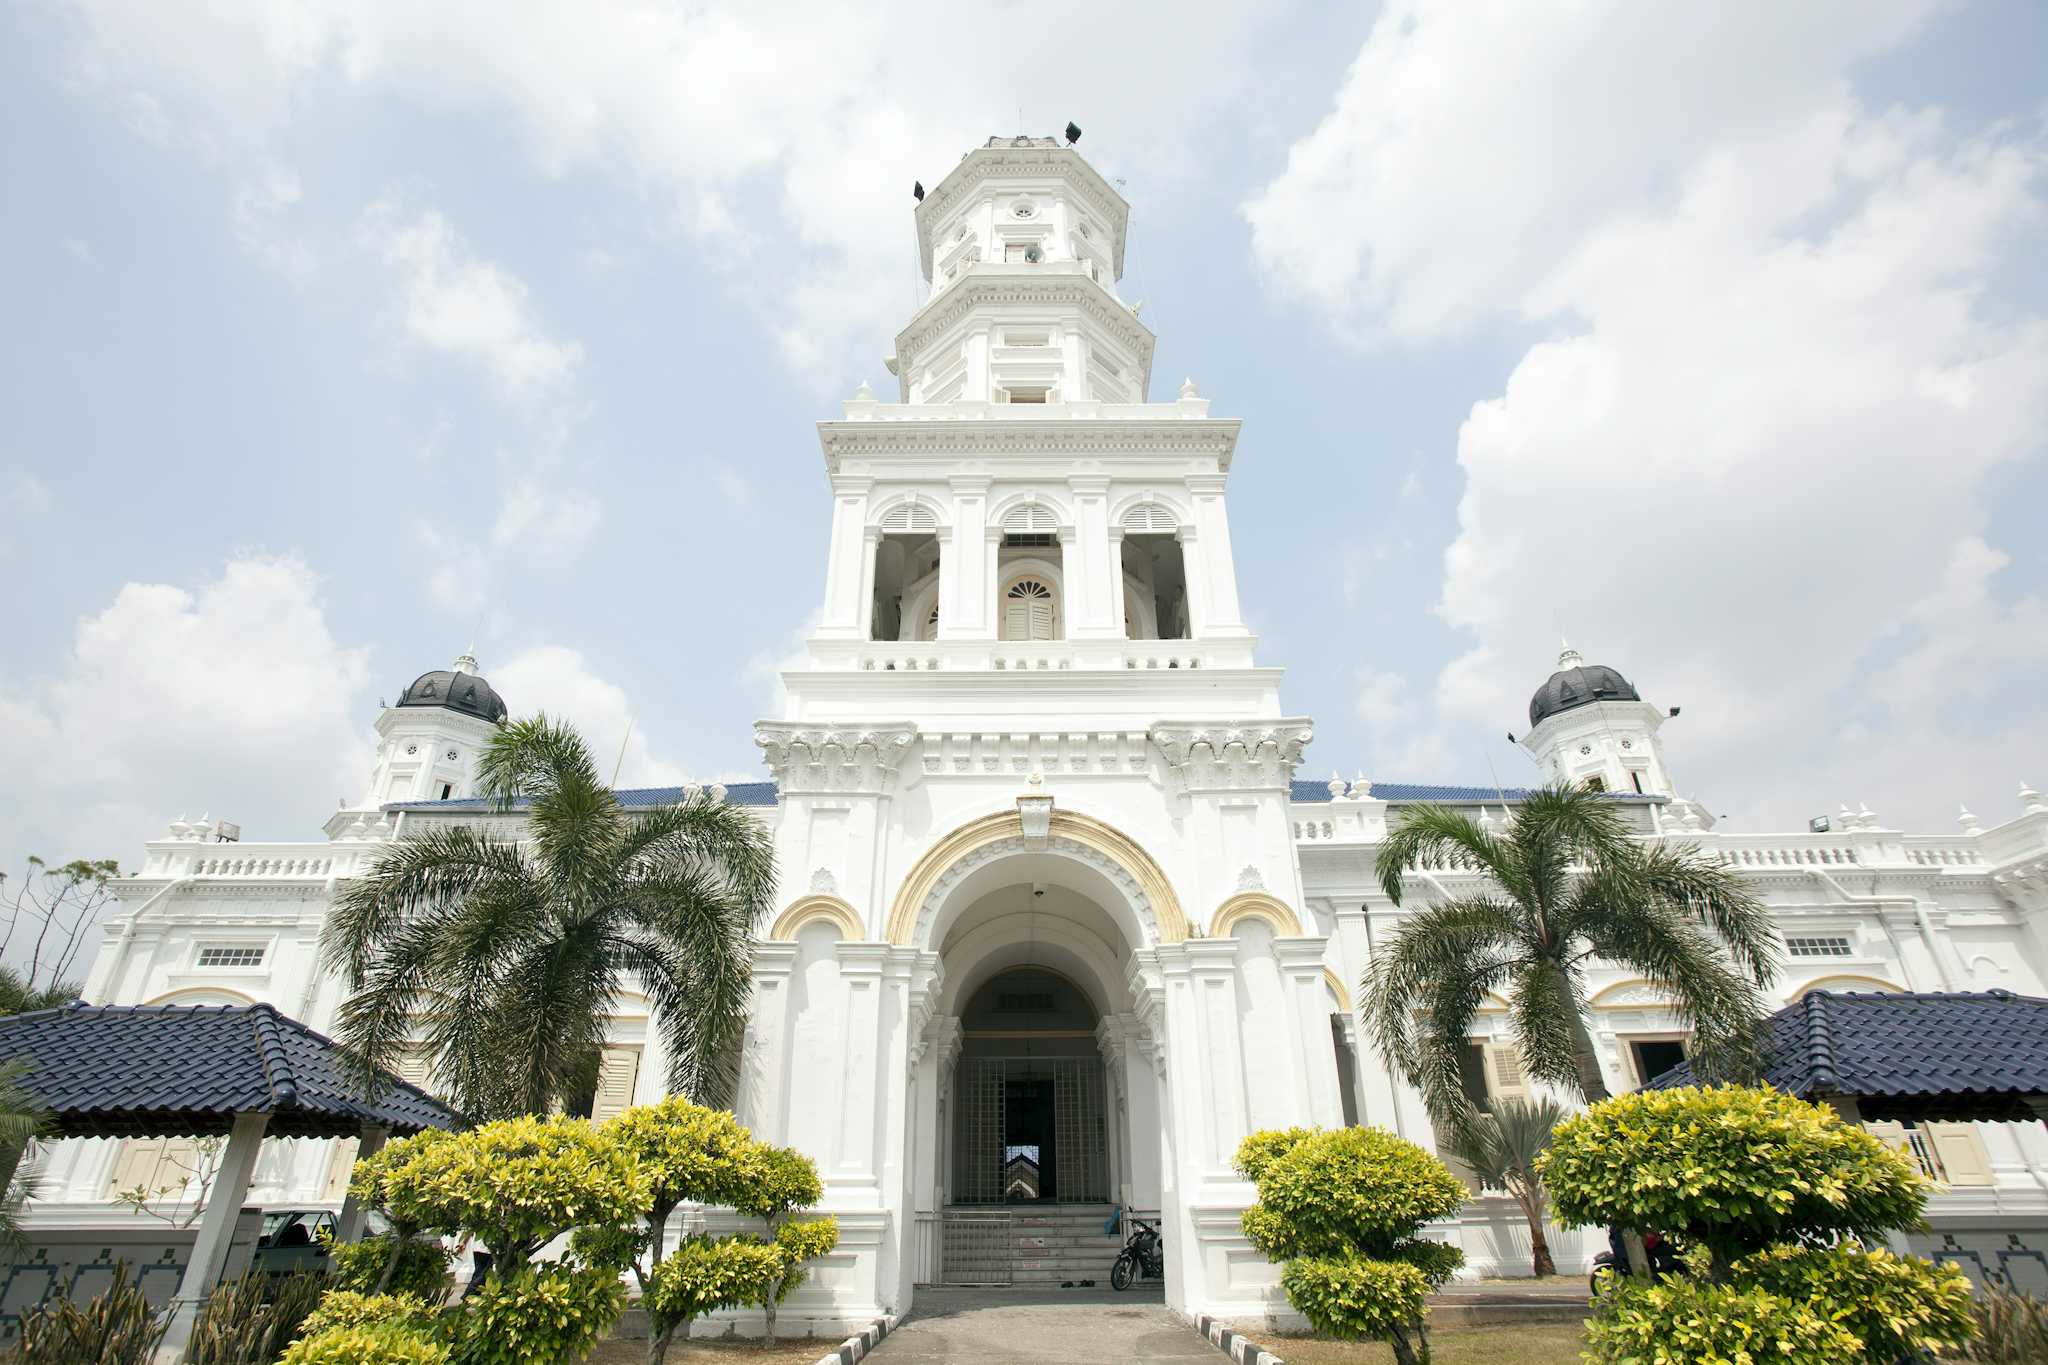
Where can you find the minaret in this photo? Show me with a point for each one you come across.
(428, 741)
(1590, 726)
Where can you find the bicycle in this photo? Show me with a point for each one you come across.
(1143, 1254)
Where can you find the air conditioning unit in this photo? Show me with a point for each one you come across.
(226, 832)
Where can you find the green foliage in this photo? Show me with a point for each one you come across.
(1896, 1306)
(691, 1153)
(616, 1248)
(537, 1316)
(705, 1274)
(1566, 881)
(422, 1268)
(797, 1243)
(1688, 1322)
(1501, 1149)
(1343, 1210)
(505, 954)
(1354, 1299)
(348, 1308)
(388, 1343)
(2012, 1328)
(114, 1327)
(1734, 1170)
(779, 1181)
(1344, 1192)
(515, 1184)
(251, 1320)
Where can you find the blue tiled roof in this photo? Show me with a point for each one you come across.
(187, 1070)
(632, 798)
(1965, 1054)
(1305, 789)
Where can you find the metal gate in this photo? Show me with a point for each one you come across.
(975, 1246)
(1079, 1133)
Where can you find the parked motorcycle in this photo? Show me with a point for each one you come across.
(1143, 1254)
(1614, 1261)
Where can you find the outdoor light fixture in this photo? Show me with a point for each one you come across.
(1073, 133)
(917, 190)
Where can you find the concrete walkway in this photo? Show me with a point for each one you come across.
(1024, 1326)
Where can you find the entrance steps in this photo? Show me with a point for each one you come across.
(1052, 1244)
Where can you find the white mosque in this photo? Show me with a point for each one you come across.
(1059, 924)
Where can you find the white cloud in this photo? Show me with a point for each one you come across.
(231, 697)
(534, 516)
(459, 306)
(1404, 747)
(258, 212)
(560, 682)
(1749, 465)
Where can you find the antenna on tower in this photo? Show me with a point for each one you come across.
(618, 766)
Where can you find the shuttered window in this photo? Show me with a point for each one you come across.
(618, 1072)
(1028, 611)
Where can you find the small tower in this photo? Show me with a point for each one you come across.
(1589, 726)
(429, 740)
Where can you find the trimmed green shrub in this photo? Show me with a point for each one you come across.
(706, 1274)
(1688, 1322)
(387, 1343)
(782, 1180)
(1727, 1168)
(421, 1268)
(1897, 1306)
(541, 1315)
(1343, 1209)
(516, 1184)
(251, 1320)
(348, 1308)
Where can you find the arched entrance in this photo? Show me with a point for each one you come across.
(1029, 1126)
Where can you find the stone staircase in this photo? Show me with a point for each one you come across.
(1051, 1244)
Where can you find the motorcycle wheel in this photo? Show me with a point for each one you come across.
(1122, 1273)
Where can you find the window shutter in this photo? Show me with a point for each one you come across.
(136, 1165)
(1893, 1135)
(157, 1163)
(1962, 1154)
(415, 1067)
(1504, 1076)
(618, 1071)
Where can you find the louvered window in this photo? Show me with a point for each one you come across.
(910, 516)
(1028, 611)
(1031, 518)
(1150, 518)
(1818, 945)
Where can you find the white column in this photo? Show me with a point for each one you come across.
(1219, 571)
(848, 563)
(1087, 569)
(1197, 586)
(1214, 978)
(964, 565)
(870, 544)
(216, 1226)
(1118, 609)
(865, 1090)
(1301, 971)
(354, 1210)
(762, 1101)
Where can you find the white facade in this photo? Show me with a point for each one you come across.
(1031, 736)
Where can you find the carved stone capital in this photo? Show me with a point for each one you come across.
(1234, 755)
(809, 759)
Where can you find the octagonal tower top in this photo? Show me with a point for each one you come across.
(1015, 195)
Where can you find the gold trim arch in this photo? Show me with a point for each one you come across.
(1338, 989)
(1085, 830)
(811, 909)
(1255, 905)
(1848, 981)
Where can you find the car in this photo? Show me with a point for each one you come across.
(294, 1239)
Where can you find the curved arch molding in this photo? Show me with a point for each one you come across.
(810, 910)
(1254, 905)
(1069, 827)
(1850, 982)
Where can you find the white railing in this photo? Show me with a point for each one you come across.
(262, 865)
(1943, 850)
(1030, 656)
(1169, 657)
(1781, 852)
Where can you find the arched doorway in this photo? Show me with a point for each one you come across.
(1030, 1124)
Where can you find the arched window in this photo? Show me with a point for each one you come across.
(1028, 610)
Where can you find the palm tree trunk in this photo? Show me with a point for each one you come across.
(1539, 1248)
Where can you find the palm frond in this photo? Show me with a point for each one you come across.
(1428, 830)
(1718, 897)
(531, 758)
(1721, 1005)
(419, 874)
(1541, 1006)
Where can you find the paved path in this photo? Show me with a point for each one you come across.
(1025, 1326)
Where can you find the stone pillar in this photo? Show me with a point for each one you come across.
(1091, 569)
(849, 563)
(1301, 968)
(354, 1211)
(871, 542)
(762, 1101)
(855, 1172)
(216, 1226)
(1197, 585)
(1219, 571)
(1119, 609)
(965, 585)
(1213, 981)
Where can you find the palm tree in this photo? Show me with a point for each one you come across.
(17, 996)
(1501, 1148)
(504, 956)
(22, 1120)
(1566, 885)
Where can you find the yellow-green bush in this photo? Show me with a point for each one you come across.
(386, 1343)
(421, 1269)
(537, 1316)
(1688, 1322)
(1729, 1168)
(1343, 1209)
(348, 1308)
(691, 1153)
(705, 1274)
(1897, 1306)
(516, 1184)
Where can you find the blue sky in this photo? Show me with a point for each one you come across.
(1711, 336)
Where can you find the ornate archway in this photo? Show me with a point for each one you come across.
(1071, 835)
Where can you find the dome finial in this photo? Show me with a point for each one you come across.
(465, 662)
(1569, 657)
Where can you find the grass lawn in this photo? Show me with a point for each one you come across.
(1545, 1343)
(788, 1351)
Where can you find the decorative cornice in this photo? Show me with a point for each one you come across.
(952, 441)
(1038, 162)
(1233, 755)
(999, 287)
(807, 759)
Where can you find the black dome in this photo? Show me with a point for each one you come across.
(459, 689)
(1577, 683)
